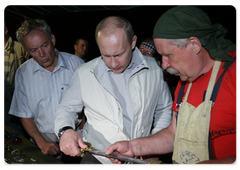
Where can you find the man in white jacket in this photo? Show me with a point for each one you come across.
(123, 93)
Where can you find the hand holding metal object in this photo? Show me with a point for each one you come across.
(92, 150)
(89, 148)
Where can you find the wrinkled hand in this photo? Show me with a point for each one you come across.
(50, 148)
(120, 148)
(69, 142)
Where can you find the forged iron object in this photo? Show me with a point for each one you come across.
(92, 150)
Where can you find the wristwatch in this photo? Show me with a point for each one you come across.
(62, 130)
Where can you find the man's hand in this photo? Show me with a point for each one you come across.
(120, 148)
(69, 142)
(45, 146)
(49, 148)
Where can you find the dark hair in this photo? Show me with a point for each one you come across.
(80, 38)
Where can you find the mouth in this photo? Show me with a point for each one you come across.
(117, 70)
(45, 60)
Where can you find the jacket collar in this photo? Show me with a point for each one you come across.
(101, 71)
(99, 68)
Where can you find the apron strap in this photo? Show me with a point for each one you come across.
(213, 98)
(217, 85)
(210, 150)
(180, 96)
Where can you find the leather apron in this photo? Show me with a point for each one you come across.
(192, 132)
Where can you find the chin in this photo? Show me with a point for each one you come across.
(184, 78)
(118, 71)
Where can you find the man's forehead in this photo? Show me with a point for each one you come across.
(111, 31)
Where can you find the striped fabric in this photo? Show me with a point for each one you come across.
(39, 91)
(7, 66)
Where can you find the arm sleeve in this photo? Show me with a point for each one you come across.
(71, 104)
(163, 111)
(20, 104)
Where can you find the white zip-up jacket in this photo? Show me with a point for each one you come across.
(90, 87)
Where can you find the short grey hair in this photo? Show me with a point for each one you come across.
(180, 43)
(31, 25)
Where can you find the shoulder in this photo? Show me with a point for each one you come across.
(17, 45)
(26, 67)
(20, 51)
(229, 78)
(90, 65)
(152, 64)
(71, 57)
(232, 67)
(70, 61)
(230, 74)
(151, 60)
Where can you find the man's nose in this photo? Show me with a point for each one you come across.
(165, 62)
(114, 62)
(41, 52)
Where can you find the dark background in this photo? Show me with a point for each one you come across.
(69, 22)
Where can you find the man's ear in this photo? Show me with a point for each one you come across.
(195, 44)
(134, 41)
(53, 40)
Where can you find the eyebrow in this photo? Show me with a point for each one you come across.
(118, 54)
(114, 55)
(32, 49)
(165, 54)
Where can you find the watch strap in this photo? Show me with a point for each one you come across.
(62, 130)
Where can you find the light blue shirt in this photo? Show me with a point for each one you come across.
(39, 91)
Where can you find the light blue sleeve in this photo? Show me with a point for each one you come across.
(20, 104)
(70, 105)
